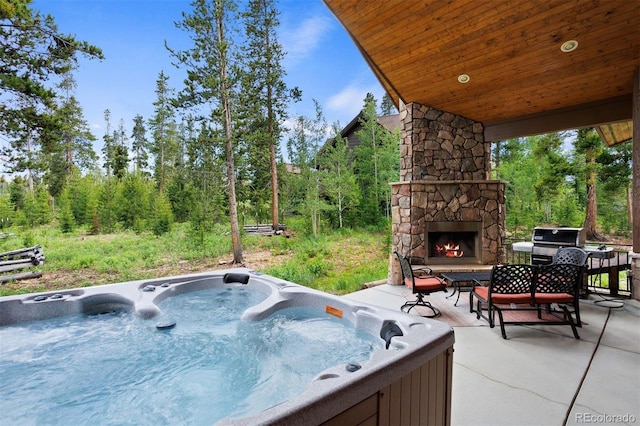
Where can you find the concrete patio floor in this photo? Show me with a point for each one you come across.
(540, 375)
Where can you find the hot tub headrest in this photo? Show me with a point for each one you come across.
(232, 277)
(388, 330)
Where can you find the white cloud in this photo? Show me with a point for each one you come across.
(349, 101)
(300, 42)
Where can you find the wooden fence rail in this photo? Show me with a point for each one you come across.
(17, 260)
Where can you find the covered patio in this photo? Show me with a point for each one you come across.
(465, 74)
(541, 375)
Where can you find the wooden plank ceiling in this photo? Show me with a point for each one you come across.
(519, 79)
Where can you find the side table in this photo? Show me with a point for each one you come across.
(458, 278)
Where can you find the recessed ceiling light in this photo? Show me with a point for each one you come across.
(463, 78)
(569, 46)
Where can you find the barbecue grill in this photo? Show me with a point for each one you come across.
(547, 241)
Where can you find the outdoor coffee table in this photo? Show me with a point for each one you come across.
(458, 278)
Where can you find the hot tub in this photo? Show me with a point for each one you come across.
(406, 379)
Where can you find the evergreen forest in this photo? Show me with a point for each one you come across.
(216, 155)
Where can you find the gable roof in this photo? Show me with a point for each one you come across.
(519, 82)
(389, 122)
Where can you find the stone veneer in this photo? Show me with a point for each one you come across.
(439, 145)
(444, 176)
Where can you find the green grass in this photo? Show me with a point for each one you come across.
(338, 263)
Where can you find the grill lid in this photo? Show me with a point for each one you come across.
(563, 236)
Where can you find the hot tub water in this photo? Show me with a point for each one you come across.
(113, 367)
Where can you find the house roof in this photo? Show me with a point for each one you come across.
(520, 82)
(389, 122)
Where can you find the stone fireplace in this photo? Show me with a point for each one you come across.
(445, 193)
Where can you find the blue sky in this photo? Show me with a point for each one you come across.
(321, 58)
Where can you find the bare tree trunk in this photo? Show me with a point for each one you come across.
(629, 204)
(29, 171)
(592, 207)
(274, 187)
(228, 133)
(272, 147)
(233, 205)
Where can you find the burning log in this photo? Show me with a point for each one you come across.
(449, 250)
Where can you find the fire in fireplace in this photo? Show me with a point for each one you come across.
(453, 242)
(449, 250)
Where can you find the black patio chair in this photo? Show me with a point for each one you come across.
(422, 282)
(529, 288)
(574, 256)
(509, 286)
(557, 285)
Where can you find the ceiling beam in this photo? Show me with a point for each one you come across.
(587, 115)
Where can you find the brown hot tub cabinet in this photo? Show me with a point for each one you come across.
(421, 397)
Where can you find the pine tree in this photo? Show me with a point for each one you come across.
(71, 146)
(266, 96)
(121, 151)
(139, 144)
(616, 173)
(108, 148)
(589, 144)
(79, 192)
(32, 53)
(387, 107)
(213, 69)
(133, 201)
(18, 192)
(520, 169)
(162, 215)
(553, 168)
(163, 129)
(180, 190)
(105, 215)
(65, 215)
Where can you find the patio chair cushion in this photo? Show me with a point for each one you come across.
(502, 298)
(546, 298)
(425, 283)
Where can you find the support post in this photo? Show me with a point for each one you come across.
(635, 262)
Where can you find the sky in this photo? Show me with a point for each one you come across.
(321, 59)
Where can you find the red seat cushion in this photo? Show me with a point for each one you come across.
(501, 298)
(426, 284)
(544, 298)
